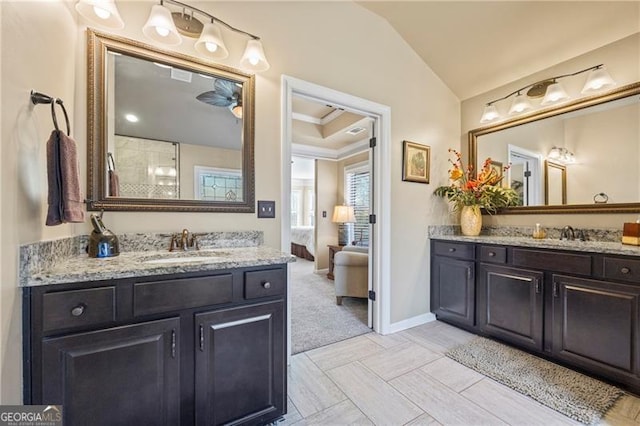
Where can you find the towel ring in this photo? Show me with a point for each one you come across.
(600, 198)
(55, 101)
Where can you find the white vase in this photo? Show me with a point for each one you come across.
(470, 220)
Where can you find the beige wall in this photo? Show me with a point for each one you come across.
(43, 48)
(622, 59)
(198, 155)
(326, 232)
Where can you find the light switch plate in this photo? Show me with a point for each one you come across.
(266, 209)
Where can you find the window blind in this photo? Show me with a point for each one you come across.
(357, 195)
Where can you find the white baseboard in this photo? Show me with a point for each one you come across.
(410, 322)
(321, 271)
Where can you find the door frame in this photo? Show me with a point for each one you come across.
(379, 249)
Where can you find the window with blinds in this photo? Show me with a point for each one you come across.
(357, 195)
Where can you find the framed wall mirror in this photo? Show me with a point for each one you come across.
(590, 146)
(167, 132)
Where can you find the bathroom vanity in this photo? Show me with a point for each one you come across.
(570, 301)
(160, 342)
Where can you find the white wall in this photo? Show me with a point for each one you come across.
(360, 54)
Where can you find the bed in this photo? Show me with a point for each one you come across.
(302, 242)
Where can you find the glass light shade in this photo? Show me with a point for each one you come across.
(100, 12)
(555, 93)
(520, 104)
(236, 110)
(490, 113)
(210, 43)
(160, 26)
(343, 214)
(253, 58)
(598, 79)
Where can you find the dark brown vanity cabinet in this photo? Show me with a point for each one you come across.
(580, 308)
(175, 350)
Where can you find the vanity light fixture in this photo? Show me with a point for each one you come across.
(562, 155)
(167, 27)
(553, 92)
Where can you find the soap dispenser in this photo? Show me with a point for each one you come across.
(102, 242)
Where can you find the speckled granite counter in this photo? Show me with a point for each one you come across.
(517, 238)
(64, 261)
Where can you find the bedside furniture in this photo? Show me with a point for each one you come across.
(351, 270)
(333, 249)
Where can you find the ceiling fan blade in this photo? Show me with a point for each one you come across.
(214, 98)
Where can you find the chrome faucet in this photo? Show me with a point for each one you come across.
(568, 233)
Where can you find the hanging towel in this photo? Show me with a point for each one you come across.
(65, 201)
(114, 180)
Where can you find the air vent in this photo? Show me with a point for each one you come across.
(182, 75)
(355, 130)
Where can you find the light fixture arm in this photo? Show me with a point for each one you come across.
(553, 79)
(210, 16)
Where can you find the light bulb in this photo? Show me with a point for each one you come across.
(253, 60)
(101, 13)
(211, 47)
(162, 31)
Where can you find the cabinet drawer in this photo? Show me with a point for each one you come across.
(78, 308)
(172, 295)
(265, 283)
(493, 254)
(622, 269)
(451, 249)
(552, 261)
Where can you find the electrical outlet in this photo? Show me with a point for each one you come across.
(266, 209)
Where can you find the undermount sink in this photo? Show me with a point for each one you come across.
(181, 259)
(186, 257)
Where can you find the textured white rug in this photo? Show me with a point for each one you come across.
(575, 395)
(316, 320)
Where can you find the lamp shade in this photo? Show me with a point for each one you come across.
(343, 214)
(160, 26)
(555, 93)
(253, 58)
(100, 12)
(520, 104)
(598, 79)
(490, 113)
(210, 43)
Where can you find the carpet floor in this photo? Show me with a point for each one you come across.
(316, 320)
(571, 393)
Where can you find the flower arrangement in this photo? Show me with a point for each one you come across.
(482, 191)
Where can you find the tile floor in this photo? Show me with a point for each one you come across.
(405, 379)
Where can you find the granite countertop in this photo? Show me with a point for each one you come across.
(606, 247)
(140, 263)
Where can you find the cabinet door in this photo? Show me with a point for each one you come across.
(510, 305)
(119, 376)
(241, 364)
(595, 325)
(453, 290)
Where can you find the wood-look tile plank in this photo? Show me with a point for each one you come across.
(387, 341)
(440, 402)
(455, 375)
(399, 360)
(292, 416)
(424, 420)
(616, 419)
(343, 413)
(438, 337)
(344, 352)
(513, 407)
(373, 396)
(627, 406)
(310, 389)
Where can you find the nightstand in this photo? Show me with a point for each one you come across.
(332, 251)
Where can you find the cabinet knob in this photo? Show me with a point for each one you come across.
(266, 285)
(492, 254)
(625, 270)
(451, 250)
(78, 310)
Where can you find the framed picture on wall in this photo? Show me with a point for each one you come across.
(415, 162)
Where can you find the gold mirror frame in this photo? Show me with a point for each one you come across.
(622, 92)
(97, 197)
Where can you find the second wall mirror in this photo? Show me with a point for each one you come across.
(167, 132)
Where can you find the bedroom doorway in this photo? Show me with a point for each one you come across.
(375, 119)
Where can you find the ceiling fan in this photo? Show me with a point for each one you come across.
(225, 94)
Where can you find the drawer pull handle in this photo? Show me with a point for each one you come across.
(78, 310)
(451, 250)
(492, 253)
(266, 285)
(625, 270)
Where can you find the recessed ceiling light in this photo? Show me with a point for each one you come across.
(205, 76)
(131, 118)
(158, 64)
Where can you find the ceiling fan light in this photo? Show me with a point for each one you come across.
(555, 93)
(520, 104)
(160, 26)
(210, 43)
(490, 113)
(100, 12)
(254, 58)
(598, 79)
(236, 110)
